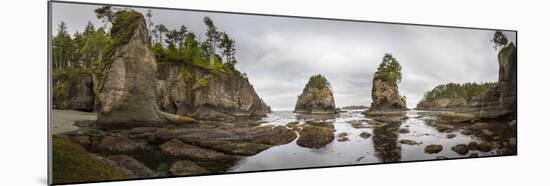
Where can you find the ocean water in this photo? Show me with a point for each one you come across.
(357, 150)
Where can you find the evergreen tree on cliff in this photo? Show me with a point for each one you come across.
(212, 38)
(62, 47)
(389, 70)
(499, 40)
(106, 14)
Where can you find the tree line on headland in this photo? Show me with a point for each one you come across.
(83, 50)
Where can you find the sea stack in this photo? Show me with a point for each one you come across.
(385, 93)
(501, 101)
(316, 98)
(127, 90)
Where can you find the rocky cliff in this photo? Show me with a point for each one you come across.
(73, 90)
(129, 89)
(316, 97)
(443, 103)
(453, 96)
(207, 95)
(127, 81)
(500, 101)
(385, 96)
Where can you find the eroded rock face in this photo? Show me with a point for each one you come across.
(74, 91)
(385, 96)
(316, 98)
(500, 101)
(197, 92)
(186, 168)
(128, 84)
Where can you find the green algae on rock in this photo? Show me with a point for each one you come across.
(71, 164)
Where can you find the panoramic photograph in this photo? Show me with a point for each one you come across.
(139, 92)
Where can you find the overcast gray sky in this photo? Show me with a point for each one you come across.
(280, 54)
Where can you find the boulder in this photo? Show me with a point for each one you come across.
(141, 132)
(315, 137)
(228, 147)
(461, 149)
(444, 127)
(485, 146)
(403, 130)
(433, 148)
(238, 141)
(450, 136)
(473, 145)
(441, 157)
(293, 124)
(133, 167)
(127, 90)
(83, 141)
(357, 124)
(117, 144)
(316, 97)
(186, 168)
(409, 142)
(343, 137)
(466, 132)
(365, 135)
(480, 126)
(178, 149)
(487, 134)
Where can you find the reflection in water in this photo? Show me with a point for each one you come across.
(385, 142)
(316, 118)
(382, 146)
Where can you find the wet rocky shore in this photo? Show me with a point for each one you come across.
(214, 147)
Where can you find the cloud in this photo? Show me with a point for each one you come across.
(280, 54)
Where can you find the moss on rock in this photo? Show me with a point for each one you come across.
(72, 163)
(124, 26)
